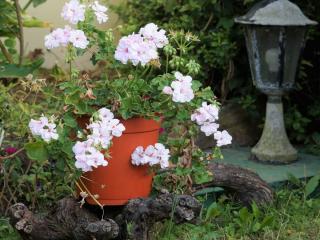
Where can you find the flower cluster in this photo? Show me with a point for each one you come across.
(206, 117)
(142, 47)
(64, 36)
(181, 89)
(152, 155)
(74, 12)
(88, 156)
(102, 129)
(44, 128)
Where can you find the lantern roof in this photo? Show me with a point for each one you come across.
(275, 13)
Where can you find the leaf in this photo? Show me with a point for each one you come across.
(36, 151)
(213, 211)
(208, 190)
(256, 227)
(38, 2)
(267, 221)
(32, 22)
(255, 210)
(16, 71)
(69, 120)
(312, 184)
(244, 214)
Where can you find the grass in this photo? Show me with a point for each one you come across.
(293, 216)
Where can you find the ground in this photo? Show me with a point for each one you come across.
(293, 216)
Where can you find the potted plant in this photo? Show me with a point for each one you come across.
(107, 133)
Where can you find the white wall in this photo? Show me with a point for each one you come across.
(50, 12)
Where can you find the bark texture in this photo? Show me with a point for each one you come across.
(247, 186)
(68, 221)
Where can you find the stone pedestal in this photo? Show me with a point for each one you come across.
(274, 145)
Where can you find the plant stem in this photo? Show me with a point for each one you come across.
(12, 155)
(27, 5)
(21, 36)
(5, 52)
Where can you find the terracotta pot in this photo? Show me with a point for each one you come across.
(121, 181)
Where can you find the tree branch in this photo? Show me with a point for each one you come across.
(5, 52)
(21, 35)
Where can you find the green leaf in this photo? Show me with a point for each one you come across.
(267, 221)
(36, 151)
(16, 71)
(312, 184)
(213, 211)
(255, 210)
(38, 2)
(244, 214)
(69, 120)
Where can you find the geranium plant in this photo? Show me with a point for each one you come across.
(147, 75)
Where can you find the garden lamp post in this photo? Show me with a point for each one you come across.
(275, 33)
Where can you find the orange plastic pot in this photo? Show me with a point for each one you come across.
(121, 181)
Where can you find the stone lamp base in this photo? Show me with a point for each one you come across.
(274, 145)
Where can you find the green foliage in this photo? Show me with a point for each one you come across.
(291, 217)
(16, 71)
(221, 54)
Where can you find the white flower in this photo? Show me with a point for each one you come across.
(78, 39)
(223, 138)
(163, 155)
(53, 39)
(181, 92)
(44, 128)
(181, 89)
(209, 128)
(152, 155)
(116, 127)
(100, 134)
(185, 80)
(88, 156)
(100, 12)
(206, 113)
(73, 12)
(137, 156)
(105, 114)
(151, 34)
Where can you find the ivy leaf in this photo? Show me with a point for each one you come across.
(36, 151)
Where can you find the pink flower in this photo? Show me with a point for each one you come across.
(10, 150)
(100, 12)
(161, 130)
(73, 12)
(151, 34)
(134, 49)
(78, 39)
(167, 90)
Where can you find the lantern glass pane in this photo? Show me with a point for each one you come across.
(274, 55)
